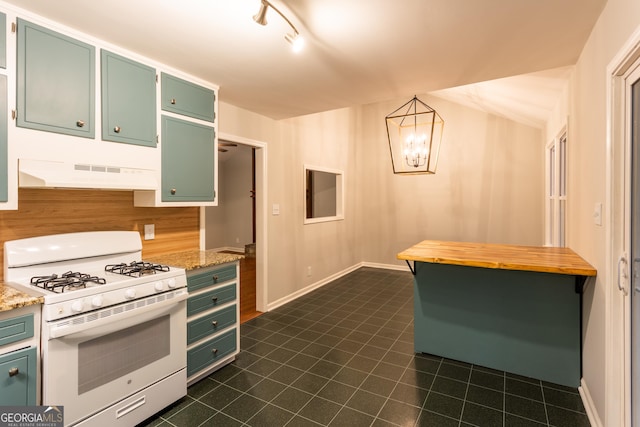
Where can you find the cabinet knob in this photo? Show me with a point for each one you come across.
(173, 191)
(80, 123)
(173, 101)
(214, 351)
(214, 299)
(13, 372)
(116, 129)
(215, 278)
(214, 323)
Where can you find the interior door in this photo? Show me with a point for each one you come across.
(634, 90)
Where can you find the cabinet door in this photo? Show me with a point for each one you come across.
(128, 100)
(186, 98)
(55, 82)
(4, 197)
(18, 377)
(188, 159)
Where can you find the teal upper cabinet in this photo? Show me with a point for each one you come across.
(128, 100)
(188, 160)
(3, 40)
(55, 82)
(186, 98)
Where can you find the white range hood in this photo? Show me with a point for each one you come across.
(53, 174)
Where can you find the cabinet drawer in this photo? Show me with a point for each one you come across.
(16, 329)
(18, 377)
(186, 98)
(210, 324)
(211, 299)
(212, 277)
(210, 352)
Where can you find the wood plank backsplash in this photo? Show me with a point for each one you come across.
(48, 211)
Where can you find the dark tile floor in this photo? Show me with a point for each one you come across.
(343, 356)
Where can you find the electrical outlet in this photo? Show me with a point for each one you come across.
(309, 271)
(149, 231)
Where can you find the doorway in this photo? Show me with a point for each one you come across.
(238, 223)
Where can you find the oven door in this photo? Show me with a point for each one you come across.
(90, 366)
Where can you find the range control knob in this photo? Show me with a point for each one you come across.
(171, 283)
(130, 293)
(96, 301)
(77, 306)
(158, 286)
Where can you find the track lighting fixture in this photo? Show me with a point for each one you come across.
(295, 39)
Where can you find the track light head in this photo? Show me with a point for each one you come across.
(296, 40)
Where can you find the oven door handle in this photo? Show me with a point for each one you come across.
(111, 323)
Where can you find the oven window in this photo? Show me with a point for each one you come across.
(112, 356)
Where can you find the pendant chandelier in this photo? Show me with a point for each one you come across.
(415, 132)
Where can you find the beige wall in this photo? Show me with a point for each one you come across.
(585, 106)
(230, 224)
(489, 188)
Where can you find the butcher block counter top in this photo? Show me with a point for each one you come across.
(497, 256)
(192, 260)
(11, 298)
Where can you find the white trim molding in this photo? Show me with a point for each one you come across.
(617, 364)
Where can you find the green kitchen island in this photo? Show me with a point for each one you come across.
(512, 308)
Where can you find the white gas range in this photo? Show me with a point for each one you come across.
(113, 327)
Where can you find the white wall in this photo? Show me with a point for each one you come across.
(230, 224)
(587, 135)
(488, 186)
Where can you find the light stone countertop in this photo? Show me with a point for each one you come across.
(11, 298)
(191, 260)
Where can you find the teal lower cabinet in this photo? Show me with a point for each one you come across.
(523, 322)
(210, 352)
(18, 376)
(213, 312)
(19, 364)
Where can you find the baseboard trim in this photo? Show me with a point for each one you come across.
(320, 283)
(386, 266)
(589, 406)
(312, 287)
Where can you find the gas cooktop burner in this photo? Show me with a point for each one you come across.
(65, 282)
(136, 268)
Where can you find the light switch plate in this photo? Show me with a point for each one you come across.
(276, 209)
(597, 214)
(149, 232)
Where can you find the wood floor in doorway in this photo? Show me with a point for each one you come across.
(247, 288)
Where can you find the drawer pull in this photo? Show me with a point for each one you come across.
(214, 351)
(215, 279)
(173, 191)
(214, 323)
(214, 299)
(173, 101)
(116, 129)
(80, 123)
(13, 372)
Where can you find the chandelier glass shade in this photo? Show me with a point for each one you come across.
(415, 133)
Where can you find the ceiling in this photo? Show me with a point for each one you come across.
(357, 51)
